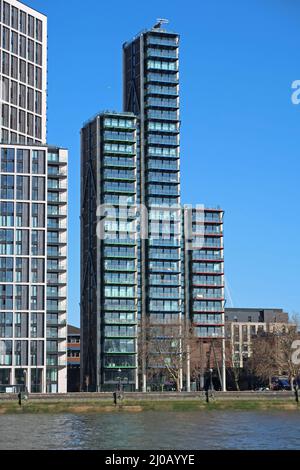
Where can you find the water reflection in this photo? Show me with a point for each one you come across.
(152, 430)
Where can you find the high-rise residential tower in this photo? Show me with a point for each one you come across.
(33, 213)
(205, 286)
(139, 286)
(109, 256)
(151, 91)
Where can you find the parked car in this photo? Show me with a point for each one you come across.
(281, 383)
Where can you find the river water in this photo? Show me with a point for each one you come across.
(152, 430)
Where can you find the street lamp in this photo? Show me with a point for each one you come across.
(211, 381)
(119, 380)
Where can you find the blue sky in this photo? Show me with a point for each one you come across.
(240, 131)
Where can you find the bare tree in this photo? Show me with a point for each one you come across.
(263, 360)
(272, 353)
(232, 365)
(166, 347)
(285, 340)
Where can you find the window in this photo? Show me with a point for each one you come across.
(30, 51)
(7, 214)
(31, 29)
(38, 102)
(6, 297)
(6, 325)
(21, 353)
(22, 125)
(38, 161)
(5, 353)
(37, 243)
(14, 42)
(38, 78)
(22, 242)
(22, 188)
(5, 38)
(14, 92)
(7, 187)
(23, 161)
(21, 298)
(29, 121)
(30, 99)
(21, 272)
(37, 298)
(6, 13)
(14, 118)
(38, 54)
(23, 22)
(22, 40)
(6, 269)
(22, 76)
(38, 215)
(7, 160)
(39, 30)
(5, 63)
(14, 17)
(38, 188)
(30, 76)
(37, 270)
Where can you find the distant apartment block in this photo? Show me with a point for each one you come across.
(73, 351)
(244, 324)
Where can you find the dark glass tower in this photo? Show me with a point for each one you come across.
(151, 91)
(109, 252)
(131, 288)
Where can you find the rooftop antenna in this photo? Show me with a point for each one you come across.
(160, 22)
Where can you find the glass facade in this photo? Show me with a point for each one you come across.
(129, 282)
(29, 245)
(204, 287)
(109, 300)
(23, 54)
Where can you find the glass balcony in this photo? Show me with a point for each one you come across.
(165, 190)
(162, 115)
(204, 257)
(162, 78)
(163, 40)
(119, 136)
(113, 306)
(162, 103)
(206, 269)
(163, 140)
(208, 320)
(119, 188)
(162, 90)
(170, 178)
(161, 165)
(120, 282)
(119, 162)
(165, 256)
(120, 318)
(162, 53)
(119, 175)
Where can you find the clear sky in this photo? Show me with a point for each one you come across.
(240, 131)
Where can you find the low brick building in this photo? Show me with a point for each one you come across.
(73, 359)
